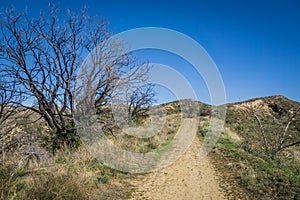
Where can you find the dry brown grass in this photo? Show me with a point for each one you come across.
(139, 145)
(67, 175)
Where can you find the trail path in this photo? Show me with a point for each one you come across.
(188, 178)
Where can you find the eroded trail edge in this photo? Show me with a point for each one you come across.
(188, 178)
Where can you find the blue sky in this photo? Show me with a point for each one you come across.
(255, 44)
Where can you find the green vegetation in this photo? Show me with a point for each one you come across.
(262, 179)
(269, 125)
(129, 193)
(258, 162)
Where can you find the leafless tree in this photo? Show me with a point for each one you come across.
(43, 56)
(274, 135)
(9, 99)
(140, 101)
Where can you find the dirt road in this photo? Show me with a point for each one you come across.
(188, 178)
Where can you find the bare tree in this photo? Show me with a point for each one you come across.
(140, 101)
(9, 99)
(43, 56)
(273, 133)
(284, 140)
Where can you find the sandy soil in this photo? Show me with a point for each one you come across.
(187, 178)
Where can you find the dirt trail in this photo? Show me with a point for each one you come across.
(188, 178)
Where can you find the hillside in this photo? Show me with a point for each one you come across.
(271, 115)
(255, 149)
(240, 166)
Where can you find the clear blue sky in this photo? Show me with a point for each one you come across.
(255, 44)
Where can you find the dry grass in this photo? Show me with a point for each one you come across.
(67, 175)
(142, 145)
